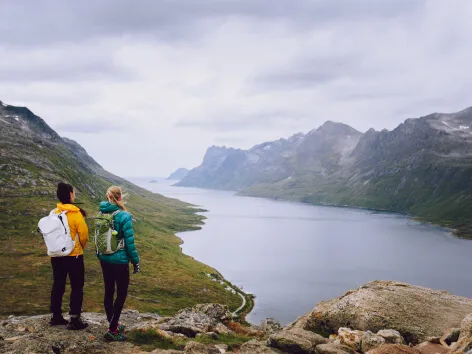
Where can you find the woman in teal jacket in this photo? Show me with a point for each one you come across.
(115, 267)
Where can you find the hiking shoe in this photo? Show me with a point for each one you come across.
(58, 321)
(115, 336)
(120, 329)
(76, 324)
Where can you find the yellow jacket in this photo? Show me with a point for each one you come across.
(77, 227)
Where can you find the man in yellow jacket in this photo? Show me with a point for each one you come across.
(71, 265)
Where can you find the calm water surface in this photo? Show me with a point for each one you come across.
(291, 255)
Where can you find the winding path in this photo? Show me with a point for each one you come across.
(235, 313)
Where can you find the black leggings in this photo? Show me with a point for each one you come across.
(115, 275)
(61, 268)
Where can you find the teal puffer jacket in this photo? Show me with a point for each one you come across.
(124, 225)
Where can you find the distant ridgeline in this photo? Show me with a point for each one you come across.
(178, 174)
(33, 159)
(423, 167)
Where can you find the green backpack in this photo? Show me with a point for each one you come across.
(106, 237)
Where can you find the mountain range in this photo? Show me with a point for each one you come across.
(423, 168)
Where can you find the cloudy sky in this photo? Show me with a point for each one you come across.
(160, 81)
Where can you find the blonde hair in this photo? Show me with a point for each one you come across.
(115, 196)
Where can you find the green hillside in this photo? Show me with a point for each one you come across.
(33, 159)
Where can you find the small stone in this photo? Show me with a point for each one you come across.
(199, 348)
(391, 336)
(222, 329)
(371, 341)
(350, 338)
(223, 348)
(331, 348)
(270, 325)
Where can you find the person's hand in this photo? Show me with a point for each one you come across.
(136, 268)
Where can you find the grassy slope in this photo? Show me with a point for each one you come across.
(169, 280)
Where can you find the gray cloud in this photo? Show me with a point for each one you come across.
(24, 22)
(65, 65)
(180, 75)
(243, 121)
(97, 126)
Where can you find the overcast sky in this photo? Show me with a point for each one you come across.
(160, 81)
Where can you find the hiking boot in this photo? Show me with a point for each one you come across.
(115, 336)
(76, 324)
(58, 321)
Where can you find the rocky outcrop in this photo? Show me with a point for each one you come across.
(296, 341)
(191, 329)
(415, 312)
(270, 325)
(199, 319)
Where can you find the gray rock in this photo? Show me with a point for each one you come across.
(371, 341)
(220, 328)
(416, 312)
(199, 319)
(258, 347)
(331, 348)
(296, 341)
(391, 336)
(199, 348)
(270, 325)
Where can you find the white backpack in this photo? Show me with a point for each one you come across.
(56, 234)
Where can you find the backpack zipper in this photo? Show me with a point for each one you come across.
(62, 222)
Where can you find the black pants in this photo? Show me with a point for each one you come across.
(61, 268)
(115, 275)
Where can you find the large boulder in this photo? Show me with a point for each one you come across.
(198, 319)
(296, 341)
(416, 312)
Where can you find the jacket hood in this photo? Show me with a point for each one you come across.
(107, 207)
(67, 207)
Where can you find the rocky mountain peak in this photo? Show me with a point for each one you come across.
(22, 121)
(335, 128)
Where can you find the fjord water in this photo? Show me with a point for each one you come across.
(293, 255)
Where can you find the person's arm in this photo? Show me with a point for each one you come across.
(82, 230)
(128, 234)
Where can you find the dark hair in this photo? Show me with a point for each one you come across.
(63, 194)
